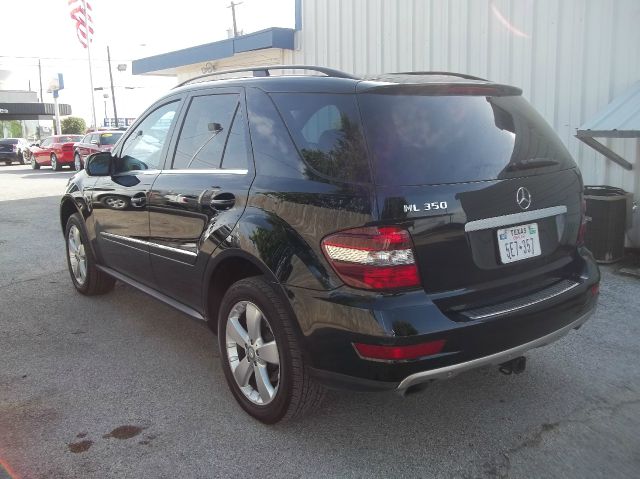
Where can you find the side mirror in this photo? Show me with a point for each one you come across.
(99, 164)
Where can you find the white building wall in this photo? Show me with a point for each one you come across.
(570, 57)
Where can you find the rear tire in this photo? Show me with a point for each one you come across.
(293, 392)
(23, 160)
(34, 164)
(87, 279)
(55, 165)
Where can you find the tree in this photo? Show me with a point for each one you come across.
(73, 125)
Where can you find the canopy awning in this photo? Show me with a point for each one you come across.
(619, 119)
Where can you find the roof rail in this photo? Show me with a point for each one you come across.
(263, 71)
(460, 75)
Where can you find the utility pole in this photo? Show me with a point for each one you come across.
(113, 93)
(40, 75)
(233, 6)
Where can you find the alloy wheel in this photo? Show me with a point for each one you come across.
(76, 163)
(252, 353)
(54, 162)
(77, 255)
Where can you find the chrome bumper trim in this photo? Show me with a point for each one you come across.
(514, 218)
(497, 358)
(521, 303)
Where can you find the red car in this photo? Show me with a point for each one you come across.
(55, 151)
(94, 143)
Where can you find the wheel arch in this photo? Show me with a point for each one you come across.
(225, 269)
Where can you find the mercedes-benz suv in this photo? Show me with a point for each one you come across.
(372, 234)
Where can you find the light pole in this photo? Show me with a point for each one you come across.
(106, 96)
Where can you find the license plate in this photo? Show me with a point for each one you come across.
(518, 242)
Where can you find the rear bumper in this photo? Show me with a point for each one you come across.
(4, 156)
(331, 322)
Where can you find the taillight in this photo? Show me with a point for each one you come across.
(67, 146)
(399, 353)
(375, 257)
(582, 232)
(14, 147)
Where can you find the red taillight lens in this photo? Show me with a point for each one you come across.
(376, 257)
(399, 353)
(582, 232)
(595, 289)
(67, 146)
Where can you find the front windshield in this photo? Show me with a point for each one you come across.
(109, 138)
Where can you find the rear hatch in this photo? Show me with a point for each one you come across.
(7, 146)
(490, 195)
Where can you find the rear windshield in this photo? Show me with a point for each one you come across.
(69, 139)
(109, 138)
(418, 139)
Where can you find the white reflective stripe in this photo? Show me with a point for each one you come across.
(374, 258)
(515, 218)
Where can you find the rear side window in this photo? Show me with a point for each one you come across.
(419, 139)
(326, 129)
(205, 130)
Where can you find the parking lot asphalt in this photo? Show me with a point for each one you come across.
(121, 386)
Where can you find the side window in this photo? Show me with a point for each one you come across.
(327, 131)
(46, 142)
(85, 139)
(235, 153)
(273, 151)
(204, 132)
(93, 137)
(143, 148)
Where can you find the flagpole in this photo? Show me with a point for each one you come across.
(93, 104)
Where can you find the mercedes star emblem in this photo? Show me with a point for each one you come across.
(523, 198)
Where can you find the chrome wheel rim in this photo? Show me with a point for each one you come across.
(253, 353)
(77, 163)
(54, 160)
(77, 255)
(116, 203)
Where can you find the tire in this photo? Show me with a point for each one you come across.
(93, 281)
(23, 160)
(295, 392)
(77, 162)
(55, 166)
(34, 164)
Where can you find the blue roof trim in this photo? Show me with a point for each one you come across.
(269, 38)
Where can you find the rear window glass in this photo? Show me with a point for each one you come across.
(109, 138)
(429, 139)
(326, 129)
(68, 139)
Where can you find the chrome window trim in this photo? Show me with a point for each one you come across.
(205, 170)
(148, 243)
(515, 218)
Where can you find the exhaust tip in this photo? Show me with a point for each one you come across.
(515, 366)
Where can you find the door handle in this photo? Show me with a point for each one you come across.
(222, 201)
(138, 201)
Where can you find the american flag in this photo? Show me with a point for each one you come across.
(81, 15)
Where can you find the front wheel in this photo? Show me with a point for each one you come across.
(34, 164)
(261, 356)
(85, 276)
(23, 159)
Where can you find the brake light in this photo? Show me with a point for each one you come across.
(67, 146)
(376, 257)
(399, 353)
(582, 232)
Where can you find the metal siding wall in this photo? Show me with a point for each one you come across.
(573, 57)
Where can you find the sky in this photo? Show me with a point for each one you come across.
(132, 29)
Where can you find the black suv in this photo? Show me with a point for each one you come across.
(372, 234)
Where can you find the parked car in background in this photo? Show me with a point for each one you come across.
(55, 151)
(94, 142)
(369, 234)
(13, 149)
